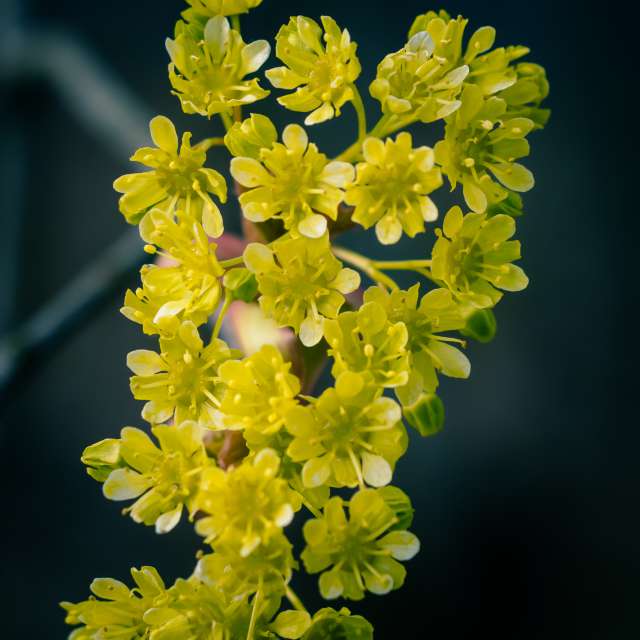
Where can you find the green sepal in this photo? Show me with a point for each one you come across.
(400, 504)
(329, 624)
(510, 206)
(241, 283)
(481, 325)
(426, 414)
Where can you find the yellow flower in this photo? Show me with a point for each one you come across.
(417, 82)
(163, 480)
(246, 505)
(178, 179)
(208, 76)
(260, 390)
(321, 73)
(293, 182)
(391, 188)
(481, 143)
(301, 283)
(189, 289)
(181, 381)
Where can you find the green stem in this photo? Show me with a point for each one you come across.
(207, 143)
(226, 120)
(294, 599)
(231, 262)
(221, 315)
(401, 265)
(428, 275)
(310, 507)
(358, 105)
(366, 266)
(254, 611)
(235, 22)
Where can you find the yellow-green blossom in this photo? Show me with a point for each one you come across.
(208, 75)
(188, 289)
(178, 179)
(260, 390)
(392, 186)
(359, 552)
(245, 505)
(119, 613)
(320, 63)
(417, 83)
(367, 343)
(164, 480)
(482, 139)
(472, 257)
(492, 71)
(426, 320)
(301, 283)
(182, 380)
(348, 436)
(293, 182)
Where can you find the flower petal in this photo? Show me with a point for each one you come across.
(125, 484)
(144, 362)
(376, 470)
(254, 55)
(163, 134)
(313, 226)
(295, 138)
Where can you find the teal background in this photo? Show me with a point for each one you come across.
(526, 504)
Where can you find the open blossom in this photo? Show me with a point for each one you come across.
(181, 381)
(301, 283)
(178, 179)
(392, 186)
(482, 141)
(348, 436)
(208, 75)
(246, 505)
(418, 82)
(163, 480)
(320, 72)
(368, 344)
(473, 257)
(292, 182)
(358, 552)
(188, 288)
(259, 391)
(427, 320)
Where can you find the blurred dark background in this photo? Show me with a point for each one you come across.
(524, 504)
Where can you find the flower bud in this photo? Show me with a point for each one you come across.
(481, 325)
(426, 414)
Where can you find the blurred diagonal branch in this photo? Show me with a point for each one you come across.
(112, 114)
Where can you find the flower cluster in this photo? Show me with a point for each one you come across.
(243, 439)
